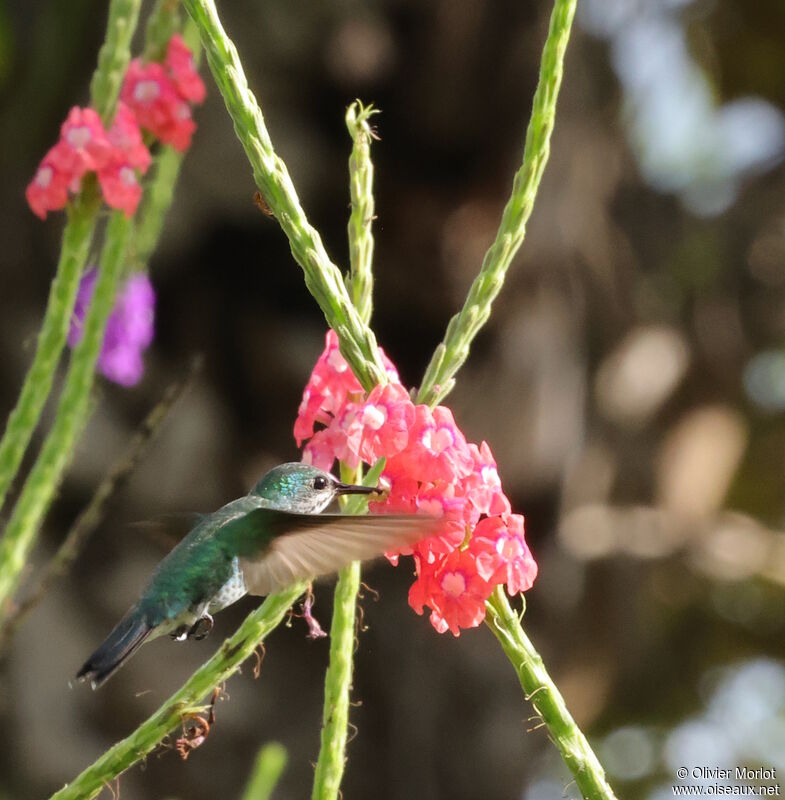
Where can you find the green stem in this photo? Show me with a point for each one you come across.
(158, 196)
(163, 22)
(453, 351)
(22, 421)
(113, 57)
(77, 237)
(362, 216)
(541, 691)
(159, 189)
(322, 276)
(338, 679)
(71, 415)
(337, 684)
(270, 763)
(90, 517)
(439, 378)
(219, 668)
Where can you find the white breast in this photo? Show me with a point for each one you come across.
(230, 592)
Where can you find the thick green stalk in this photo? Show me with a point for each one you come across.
(113, 57)
(453, 351)
(337, 685)
(164, 20)
(322, 276)
(338, 679)
(159, 188)
(362, 216)
(71, 415)
(540, 690)
(22, 421)
(158, 195)
(212, 673)
(90, 517)
(439, 378)
(270, 763)
(77, 237)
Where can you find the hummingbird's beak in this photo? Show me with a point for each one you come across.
(353, 488)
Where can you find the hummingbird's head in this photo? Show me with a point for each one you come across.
(303, 489)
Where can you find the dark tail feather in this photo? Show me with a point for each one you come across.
(120, 645)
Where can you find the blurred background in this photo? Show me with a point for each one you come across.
(631, 383)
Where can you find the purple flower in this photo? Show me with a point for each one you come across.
(129, 329)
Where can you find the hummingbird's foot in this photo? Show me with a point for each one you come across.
(201, 627)
(179, 634)
(314, 628)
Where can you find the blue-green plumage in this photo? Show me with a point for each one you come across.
(197, 570)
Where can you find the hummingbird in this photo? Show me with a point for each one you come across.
(258, 544)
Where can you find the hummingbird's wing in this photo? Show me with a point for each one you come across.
(292, 547)
(167, 529)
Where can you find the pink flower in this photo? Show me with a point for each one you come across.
(180, 127)
(327, 391)
(345, 434)
(454, 592)
(437, 451)
(120, 187)
(85, 145)
(483, 486)
(126, 139)
(155, 97)
(386, 417)
(150, 93)
(431, 469)
(118, 178)
(48, 191)
(331, 386)
(451, 534)
(320, 450)
(180, 64)
(401, 497)
(501, 553)
(435, 548)
(362, 431)
(447, 499)
(408, 496)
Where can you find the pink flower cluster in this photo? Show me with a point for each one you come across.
(160, 94)
(154, 97)
(85, 146)
(431, 469)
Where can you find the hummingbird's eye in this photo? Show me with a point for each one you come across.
(319, 483)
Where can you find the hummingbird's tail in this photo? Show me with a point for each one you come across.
(124, 640)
